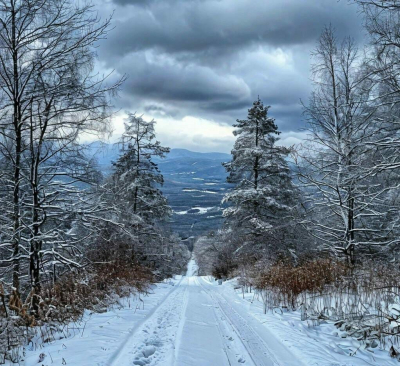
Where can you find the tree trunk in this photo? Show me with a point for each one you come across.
(18, 151)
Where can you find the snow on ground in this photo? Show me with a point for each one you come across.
(261, 346)
(98, 337)
(182, 173)
(153, 342)
(205, 337)
(198, 190)
(315, 345)
(181, 212)
(198, 210)
(193, 321)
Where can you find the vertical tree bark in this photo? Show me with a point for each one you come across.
(18, 150)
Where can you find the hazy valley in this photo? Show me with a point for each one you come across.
(194, 185)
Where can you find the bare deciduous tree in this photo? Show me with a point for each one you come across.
(50, 95)
(339, 160)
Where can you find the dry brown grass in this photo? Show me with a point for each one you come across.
(362, 300)
(286, 282)
(60, 303)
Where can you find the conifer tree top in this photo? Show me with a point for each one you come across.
(257, 117)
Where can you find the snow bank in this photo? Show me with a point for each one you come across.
(316, 343)
(97, 337)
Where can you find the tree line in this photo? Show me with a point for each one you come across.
(62, 222)
(315, 227)
(337, 193)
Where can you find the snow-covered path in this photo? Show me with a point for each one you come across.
(199, 339)
(193, 323)
(197, 324)
(206, 337)
(261, 345)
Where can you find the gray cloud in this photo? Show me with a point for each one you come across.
(132, 2)
(170, 81)
(146, 3)
(203, 26)
(211, 58)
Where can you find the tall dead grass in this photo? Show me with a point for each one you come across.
(283, 283)
(64, 302)
(363, 301)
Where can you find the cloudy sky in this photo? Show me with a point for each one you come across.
(195, 66)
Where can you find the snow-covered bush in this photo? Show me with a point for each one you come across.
(363, 301)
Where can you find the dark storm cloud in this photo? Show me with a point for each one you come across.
(169, 81)
(211, 58)
(201, 26)
(143, 2)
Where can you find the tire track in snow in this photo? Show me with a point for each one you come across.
(233, 350)
(256, 347)
(200, 341)
(156, 342)
(125, 347)
(178, 335)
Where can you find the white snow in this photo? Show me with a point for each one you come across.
(182, 173)
(202, 210)
(99, 337)
(192, 321)
(198, 190)
(181, 212)
(315, 345)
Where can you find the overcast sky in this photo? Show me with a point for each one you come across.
(195, 66)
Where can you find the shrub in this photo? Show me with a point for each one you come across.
(95, 288)
(285, 281)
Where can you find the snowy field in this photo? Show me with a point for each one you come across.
(193, 321)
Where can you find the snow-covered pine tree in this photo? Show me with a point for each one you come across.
(264, 192)
(136, 176)
(135, 191)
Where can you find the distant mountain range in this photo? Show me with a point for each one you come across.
(194, 185)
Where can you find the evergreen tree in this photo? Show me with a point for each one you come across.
(136, 177)
(264, 192)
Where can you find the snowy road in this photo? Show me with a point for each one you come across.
(187, 321)
(197, 324)
(191, 321)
